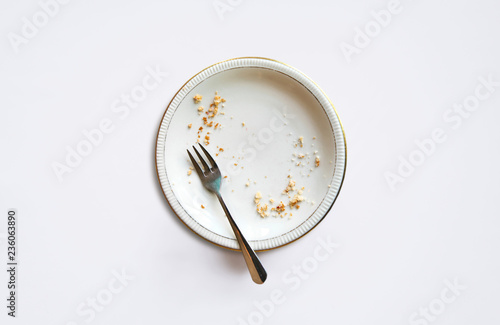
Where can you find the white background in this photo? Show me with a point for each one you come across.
(397, 246)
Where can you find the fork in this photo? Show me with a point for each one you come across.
(211, 179)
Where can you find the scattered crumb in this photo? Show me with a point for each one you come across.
(190, 172)
(280, 207)
(301, 141)
(290, 187)
(247, 184)
(197, 98)
(202, 206)
(190, 125)
(243, 124)
(262, 210)
(317, 161)
(296, 199)
(258, 196)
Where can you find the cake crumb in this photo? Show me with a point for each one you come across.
(301, 141)
(281, 207)
(197, 98)
(190, 125)
(317, 161)
(257, 198)
(202, 206)
(262, 210)
(296, 199)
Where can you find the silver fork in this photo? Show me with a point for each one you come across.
(211, 179)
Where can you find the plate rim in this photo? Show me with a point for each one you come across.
(318, 88)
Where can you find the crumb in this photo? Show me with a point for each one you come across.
(197, 98)
(271, 200)
(290, 187)
(202, 206)
(247, 184)
(301, 156)
(190, 172)
(301, 141)
(296, 199)
(317, 161)
(262, 210)
(221, 150)
(190, 125)
(200, 109)
(258, 196)
(314, 138)
(280, 207)
(225, 176)
(243, 124)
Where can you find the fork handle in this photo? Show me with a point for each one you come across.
(257, 271)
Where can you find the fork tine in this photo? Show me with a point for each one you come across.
(203, 162)
(212, 161)
(195, 164)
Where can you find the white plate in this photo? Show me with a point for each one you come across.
(277, 104)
